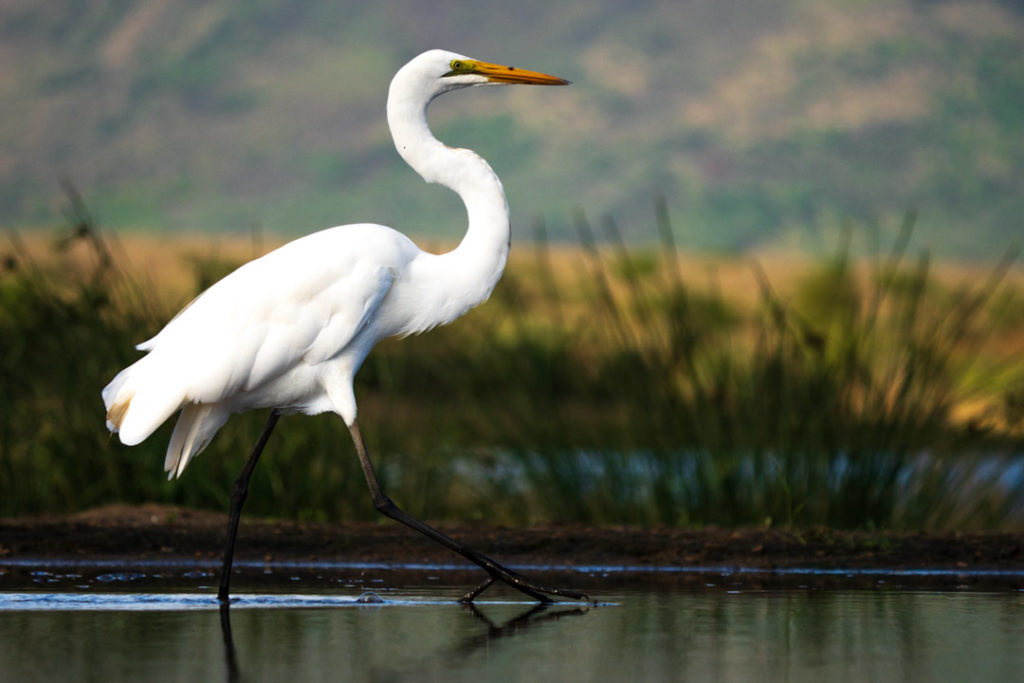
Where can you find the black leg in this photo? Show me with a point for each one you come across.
(469, 597)
(497, 572)
(238, 493)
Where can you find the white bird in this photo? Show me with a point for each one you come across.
(288, 331)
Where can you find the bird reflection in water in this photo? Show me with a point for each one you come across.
(230, 660)
(532, 615)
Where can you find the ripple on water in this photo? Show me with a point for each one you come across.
(143, 602)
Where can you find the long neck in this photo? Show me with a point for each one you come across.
(484, 248)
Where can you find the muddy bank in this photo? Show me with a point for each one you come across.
(154, 531)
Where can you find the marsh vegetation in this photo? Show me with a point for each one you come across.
(601, 384)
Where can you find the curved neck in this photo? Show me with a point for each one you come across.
(486, 242)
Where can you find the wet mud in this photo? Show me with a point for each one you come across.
(609, 554)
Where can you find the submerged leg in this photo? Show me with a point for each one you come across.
(238, 493)
(497, 572)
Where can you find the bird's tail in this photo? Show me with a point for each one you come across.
(137, 402)
(196, 426)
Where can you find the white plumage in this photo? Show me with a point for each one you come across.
(285, 331)
(289, 330)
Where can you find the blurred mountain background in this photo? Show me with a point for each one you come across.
(763, 124)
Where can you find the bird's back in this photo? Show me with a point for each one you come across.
(261, 336)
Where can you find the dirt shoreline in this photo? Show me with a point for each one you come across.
(158, 531)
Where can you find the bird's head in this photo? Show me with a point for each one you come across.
(438, 71)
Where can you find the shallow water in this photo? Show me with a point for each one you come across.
(373, 624)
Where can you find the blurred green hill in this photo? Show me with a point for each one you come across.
(764, 124)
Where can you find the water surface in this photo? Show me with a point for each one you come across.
(71, 625)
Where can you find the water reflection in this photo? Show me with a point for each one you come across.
(421, 633)
(230, 659)
(517, 625)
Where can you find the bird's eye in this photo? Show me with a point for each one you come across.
(460, 67)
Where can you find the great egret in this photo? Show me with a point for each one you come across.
(289, 330)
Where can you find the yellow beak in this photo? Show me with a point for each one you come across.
(503, 74)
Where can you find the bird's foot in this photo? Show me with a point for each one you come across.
(542, 594)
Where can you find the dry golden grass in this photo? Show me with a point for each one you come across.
(169, 261)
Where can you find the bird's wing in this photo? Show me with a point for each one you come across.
(302, 303)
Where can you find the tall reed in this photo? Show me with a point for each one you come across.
(620, 393)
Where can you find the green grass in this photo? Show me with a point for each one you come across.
(619, 393)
